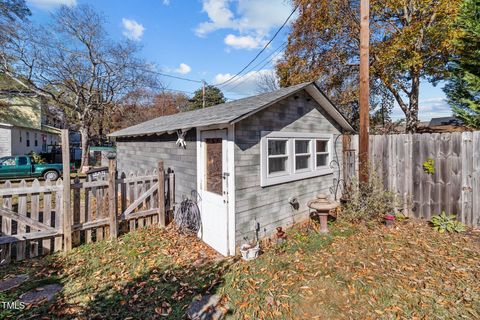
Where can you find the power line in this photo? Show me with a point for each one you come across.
(271, 56)
(171, 76)
(256, 72)
(261, 51)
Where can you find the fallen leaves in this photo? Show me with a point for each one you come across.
(409, 272)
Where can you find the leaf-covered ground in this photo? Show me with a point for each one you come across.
(149, 274)
(352, 273)
(409, 272)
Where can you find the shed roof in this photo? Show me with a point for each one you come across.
(230, 112)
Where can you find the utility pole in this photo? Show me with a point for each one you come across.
(203, 93)
(364, 89)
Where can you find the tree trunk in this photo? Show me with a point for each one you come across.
(85, 139)
(412, 114)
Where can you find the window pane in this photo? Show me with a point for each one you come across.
(8, 161)
(322, 160)
(302, 146)
(22, 161)
(302, 162)
(214, 165)
(322, 146)
(277, 147)
(277, 165)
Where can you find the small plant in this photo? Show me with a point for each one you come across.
(429, 166)
(448, 223)
(368, 201)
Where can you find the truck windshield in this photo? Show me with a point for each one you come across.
(7, 161)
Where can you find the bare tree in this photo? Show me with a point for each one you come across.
(267, 82)
(77, 65)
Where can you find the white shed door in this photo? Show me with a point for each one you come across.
(213, 190)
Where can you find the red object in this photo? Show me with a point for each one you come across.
(389, 217)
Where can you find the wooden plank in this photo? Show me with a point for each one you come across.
(47, 218)
(154, 197)
(24, 189)
(99, 234)
(112, 199)
(123, 195)
(21, 217)
(467, 172)
(7, 225)
(161, 194)
(130, 199)
(20, 238)
(91, 224)
(171, 193)
(474, 219)
(76, 213)
(89, 184)
(34, 215)
(59, 217)
(67, 213)
(142, 214)
(140, 199)
(88, 212)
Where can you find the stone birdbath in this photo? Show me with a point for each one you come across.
(322, 206)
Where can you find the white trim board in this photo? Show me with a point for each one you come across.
(290, 176)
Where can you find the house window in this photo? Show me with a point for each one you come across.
(20, 135)
(294, 156)
(302, 155)
(322, 153)
(28, 139)
(36, 140)
(277, 156)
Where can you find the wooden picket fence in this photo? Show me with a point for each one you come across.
(34, 215)
(454, 186)
(31, 219)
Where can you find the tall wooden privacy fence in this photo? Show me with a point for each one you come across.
(454, 184)
(40, 217)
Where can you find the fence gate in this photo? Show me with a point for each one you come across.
(31, 219)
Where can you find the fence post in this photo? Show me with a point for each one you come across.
(112, 196)
(67, 212)
(161, 194)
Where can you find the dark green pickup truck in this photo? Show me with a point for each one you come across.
(24, 167)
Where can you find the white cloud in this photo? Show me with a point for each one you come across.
(183, 68)
(251, 18)
(132, 29)
(48, 4)
(219, 14)
(428, 108)
(243, 42)
(166, 2)
(245, 85)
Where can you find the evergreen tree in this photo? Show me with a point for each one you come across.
(213, 96)
(463, 88)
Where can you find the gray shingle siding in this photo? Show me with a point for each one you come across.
(143, 153)
(269, 205)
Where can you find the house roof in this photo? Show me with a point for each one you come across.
(230, 112)
(441, 121)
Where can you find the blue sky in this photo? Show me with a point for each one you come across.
(210, 40)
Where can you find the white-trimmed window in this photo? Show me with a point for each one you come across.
(294, 156)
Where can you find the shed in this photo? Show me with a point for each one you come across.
(245, 162)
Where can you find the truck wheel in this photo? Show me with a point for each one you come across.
(51, 175)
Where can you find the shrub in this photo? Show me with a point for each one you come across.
(449, 223)
(368, 201)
